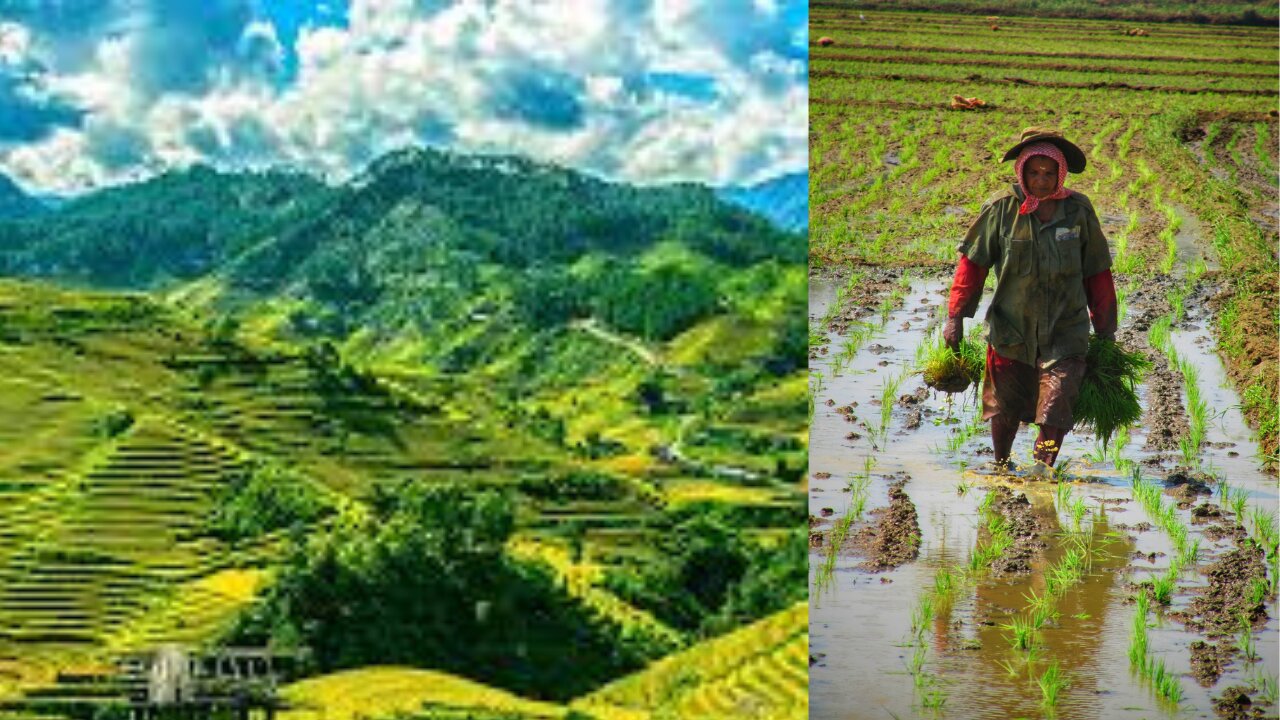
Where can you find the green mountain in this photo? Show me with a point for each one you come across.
(174, 227)
(14, 203)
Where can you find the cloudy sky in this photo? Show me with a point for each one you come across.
(96, 92)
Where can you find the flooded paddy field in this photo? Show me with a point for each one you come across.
(1140, 582)
(939, 633)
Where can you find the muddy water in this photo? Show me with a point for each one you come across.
(861, 626)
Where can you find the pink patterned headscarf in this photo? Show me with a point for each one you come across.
(1052, 152)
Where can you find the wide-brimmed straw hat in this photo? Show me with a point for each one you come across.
(1075, 157)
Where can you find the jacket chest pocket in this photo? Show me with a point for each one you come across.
(1019, 250)
(1063, 257)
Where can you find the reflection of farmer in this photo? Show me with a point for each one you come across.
(1052, 277)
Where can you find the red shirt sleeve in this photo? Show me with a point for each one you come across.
(966, 288)
(1100, 291)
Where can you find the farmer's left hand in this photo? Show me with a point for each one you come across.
(952, 332)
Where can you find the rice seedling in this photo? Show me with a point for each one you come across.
(933, 699)
(1176, 300)
(1264, 526)
(1067, 572)
(1162, 588)
(857, 505)
(952, 371)
(916, 663)
(1158, 334)
(1138, 633)
(888, 395)
(1245, 641)
(837, 365)
(944, 583)
(1009, 668)
(962, 488)
(922, 615)
(1052, 682)
(1062, 496)
(1108, 398)
(1165, 683)
(1078, 511)
(984, 506)
(1190, 554)
(1267, 690)
(1041, 616)
(1022, 632)
(1256, 592)
(1237, 500)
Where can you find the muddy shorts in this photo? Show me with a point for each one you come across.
(1020, 391)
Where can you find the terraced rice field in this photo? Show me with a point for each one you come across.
(123, 423)
(755, 671)
(981, 614)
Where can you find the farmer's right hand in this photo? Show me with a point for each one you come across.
(952, 331)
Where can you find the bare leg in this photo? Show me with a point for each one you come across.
(1003, 432)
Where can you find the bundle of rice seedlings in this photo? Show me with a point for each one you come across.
(1108, 399)
(952, 371)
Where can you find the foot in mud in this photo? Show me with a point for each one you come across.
(1040, 471)
(996, 467)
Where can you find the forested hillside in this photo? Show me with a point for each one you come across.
(517, 430)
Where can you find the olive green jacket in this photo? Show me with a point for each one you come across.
(1039, 314)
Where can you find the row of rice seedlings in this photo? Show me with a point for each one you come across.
(1166, 516)
(965, 431)
(1124, 261)
(861, 332)
(1233, 149)
(888, 396)
(1168, 235)
(858, 485)
(842, 295)
(1262, 149)
(816, 383)
(1164, 683)
(1197, 409)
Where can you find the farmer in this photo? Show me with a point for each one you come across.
(1053, 278)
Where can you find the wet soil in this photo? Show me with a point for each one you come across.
(1208, 660)
(1217, 611)
(1185, 487)
(894, 538)
(1026, 527)
(861, 301)
(1235, 704)
(1165, 420)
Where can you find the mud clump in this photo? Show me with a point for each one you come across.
(1220, 610)
(1024, 526)
(1200, 514)
(1218, 532)
(912, 404)
(894, 539)
(1234, 704)
(1185, 488)
(1208, 661)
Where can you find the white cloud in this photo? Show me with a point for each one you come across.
(398, 74)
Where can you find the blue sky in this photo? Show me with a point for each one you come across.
(98, 92)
